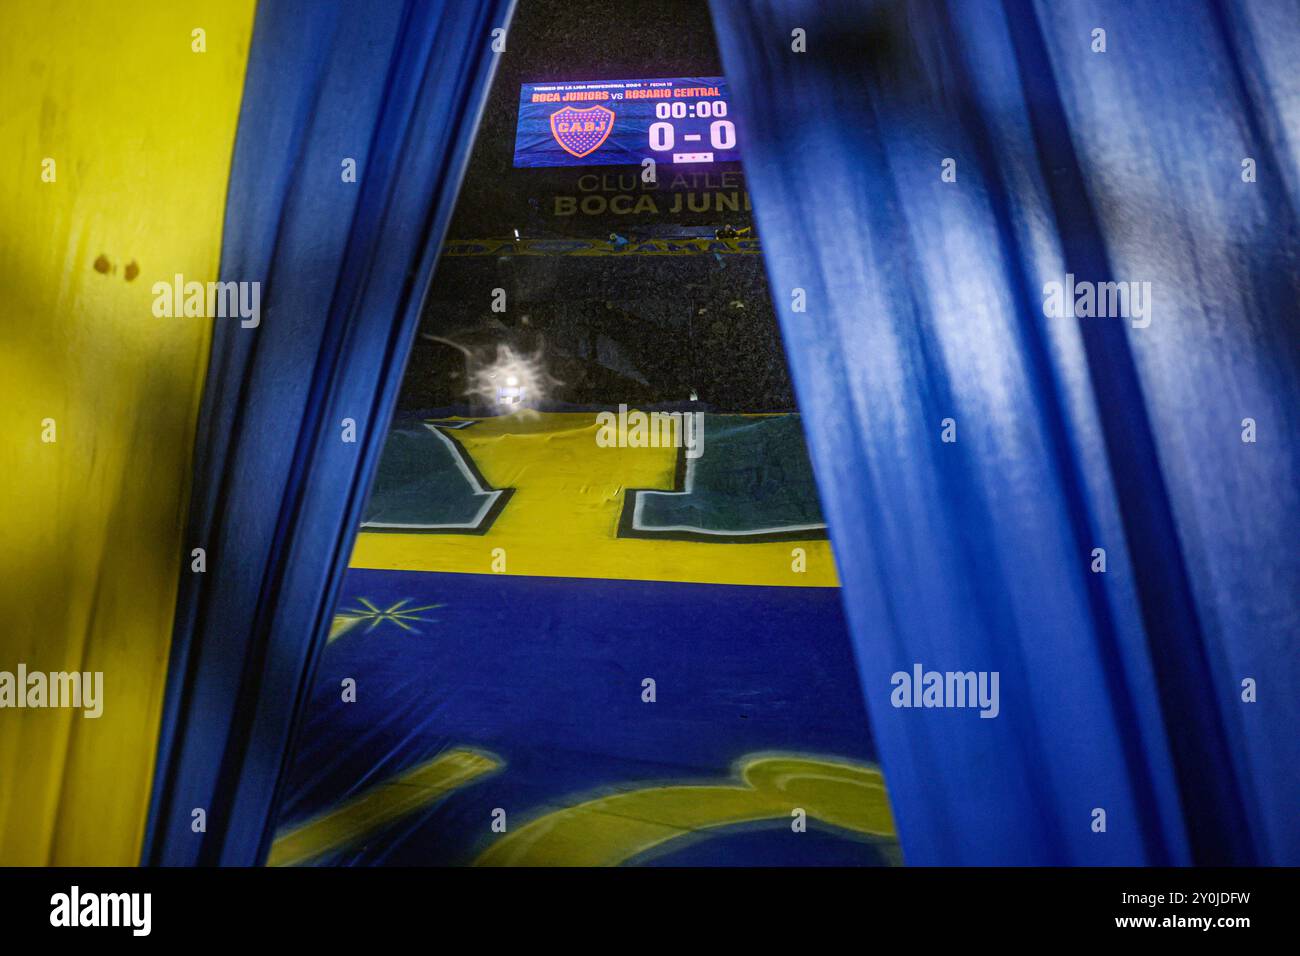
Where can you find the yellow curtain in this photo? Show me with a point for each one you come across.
(118, 122)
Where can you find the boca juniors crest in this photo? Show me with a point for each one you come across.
(580, 132)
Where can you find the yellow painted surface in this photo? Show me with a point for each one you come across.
(619, 827)
(610, 830)
(562, 520)
(354, 820)
(141, 130)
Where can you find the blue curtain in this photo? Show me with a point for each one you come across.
(398, 88)
(1164, 690)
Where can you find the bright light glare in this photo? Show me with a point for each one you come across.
(513, 381)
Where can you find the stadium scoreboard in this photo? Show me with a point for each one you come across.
(680, 121)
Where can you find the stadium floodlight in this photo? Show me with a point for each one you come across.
(512, 381)
(512, 393)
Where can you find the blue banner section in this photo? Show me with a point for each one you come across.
(564, 703)
(684, 121)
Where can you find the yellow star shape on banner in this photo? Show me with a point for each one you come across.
(368, 613)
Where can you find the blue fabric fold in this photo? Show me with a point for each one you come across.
(398, 88)
(914, 307)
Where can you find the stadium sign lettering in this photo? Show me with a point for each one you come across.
(622, 204)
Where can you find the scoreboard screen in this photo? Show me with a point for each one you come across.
(681, 121)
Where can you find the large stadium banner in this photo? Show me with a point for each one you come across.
(681, 121)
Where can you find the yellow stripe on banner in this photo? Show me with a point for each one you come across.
(616, 829)
(459, 248)
(562, 520)
(365, 815)
(117, 140)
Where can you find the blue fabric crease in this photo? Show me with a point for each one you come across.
(1121, 691)
(398, 87)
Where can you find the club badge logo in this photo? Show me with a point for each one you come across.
(581, 132)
